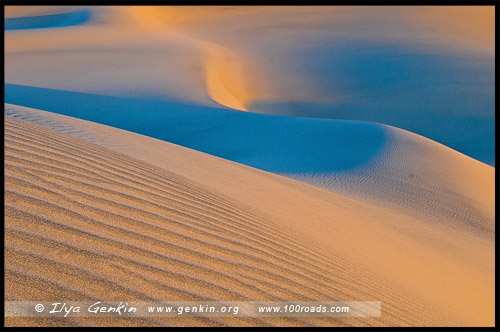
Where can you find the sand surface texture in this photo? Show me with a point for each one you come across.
(252, 153)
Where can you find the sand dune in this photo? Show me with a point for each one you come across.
(334, 153)
(338, 62)
(200, 220)
(131, 230)
(383, 164)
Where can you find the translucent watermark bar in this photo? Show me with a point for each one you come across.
(193, 309)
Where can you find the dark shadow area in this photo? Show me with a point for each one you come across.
(449, 98)
(281, 144)
(48, 21)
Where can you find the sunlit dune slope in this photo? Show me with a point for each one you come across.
(382, 164)
(429, 70)
(130, 230)
(145, 219)
(414, 174)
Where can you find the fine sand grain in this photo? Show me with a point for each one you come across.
(84, 222)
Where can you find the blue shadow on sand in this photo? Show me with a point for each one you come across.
(47, 21)
(447, 97)
(280, 144)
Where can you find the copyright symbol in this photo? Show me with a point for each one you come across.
(39, 308)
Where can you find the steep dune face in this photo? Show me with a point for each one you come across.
(222, 218)
(223, 70)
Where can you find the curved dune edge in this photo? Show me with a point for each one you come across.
(274, 57)
(421, 177)
(60, 20)
(197, 220)
(219, 76)
(132, 230)
(403, 171)
(224, 81)
(227, 77)
(32, 11)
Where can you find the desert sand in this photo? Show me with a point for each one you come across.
(150, 154)
(429, 70)
(225, 216)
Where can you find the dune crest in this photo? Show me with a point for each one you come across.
(322, 221)
(223, 80)
(326, 63)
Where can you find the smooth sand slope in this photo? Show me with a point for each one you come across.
(379, 163)
(429, 70)
(161, 221)
(252, 153)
